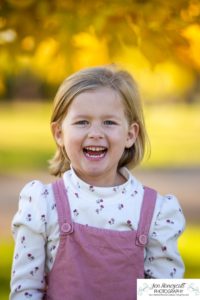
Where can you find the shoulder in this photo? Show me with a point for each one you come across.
(35, 202)
(168, 205)
(36, 194)
(168, 216)
(33, 187)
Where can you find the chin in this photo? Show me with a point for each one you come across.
(94, 173)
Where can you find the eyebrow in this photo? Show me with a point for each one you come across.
(88, 116)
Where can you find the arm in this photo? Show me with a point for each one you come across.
(27, 278)
(162, 257)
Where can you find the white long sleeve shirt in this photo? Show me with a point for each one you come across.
(36, 230)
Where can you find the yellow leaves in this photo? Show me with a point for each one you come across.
(2, 22)
(53, 40)
(90, 50)
(165, 81)
(154, 49)
(194, 9)
(28, 43)
(21, 3)
(46, 50)
(191, 12)
(49, 62)
(7, 36)
(2, 86)
(192, 34)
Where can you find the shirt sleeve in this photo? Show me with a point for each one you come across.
(162, 257)
(29, 231)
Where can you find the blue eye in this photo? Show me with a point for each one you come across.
(82, 123)
(109, 122)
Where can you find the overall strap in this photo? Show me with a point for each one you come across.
(146, 214)
(63, 208)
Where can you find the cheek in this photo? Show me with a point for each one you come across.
(119, 136)
(118, 143)
(72, 140)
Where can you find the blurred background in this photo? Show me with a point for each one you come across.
(158, 42)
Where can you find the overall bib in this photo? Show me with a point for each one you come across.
(97, 264)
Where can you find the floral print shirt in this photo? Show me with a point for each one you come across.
(36, 230)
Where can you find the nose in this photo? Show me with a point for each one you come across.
(95, 132)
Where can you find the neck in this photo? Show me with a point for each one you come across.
(105, 181)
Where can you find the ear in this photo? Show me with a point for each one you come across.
(57, 133)
(132, 135)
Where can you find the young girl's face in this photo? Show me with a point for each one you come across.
(95, 133)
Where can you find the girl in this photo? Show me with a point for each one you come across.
(92, 233)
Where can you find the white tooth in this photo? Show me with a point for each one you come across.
(95, 148)
(94, 156)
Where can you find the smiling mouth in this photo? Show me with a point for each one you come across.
(95, 152)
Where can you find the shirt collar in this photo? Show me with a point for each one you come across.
(102, 192)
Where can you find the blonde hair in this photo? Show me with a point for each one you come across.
(91, 79)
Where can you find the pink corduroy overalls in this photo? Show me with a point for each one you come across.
(97, 264)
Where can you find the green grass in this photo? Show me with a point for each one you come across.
(26, 141)
(6, 253)
(189, 246)
(174, 135)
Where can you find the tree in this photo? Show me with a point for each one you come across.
(60, 36)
